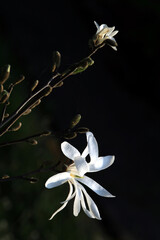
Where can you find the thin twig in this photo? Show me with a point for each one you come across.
(31, 179)
(53, 82)
(38, 135)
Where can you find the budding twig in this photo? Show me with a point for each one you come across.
(55, 81)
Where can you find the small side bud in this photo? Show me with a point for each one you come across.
(28, 111)
(16, 128)
(45, 134)
(4, 73)
(5, 176)
(20, 80)
(59, 85)
(56, 60)
(35, 84)
(1, 88)
(75, 120)
(32, 142)
(4, 96)
(36, 104)
(48, 91)
(82, 130)
(6, 115)
(70, 135)
(33, 180)
(83, 65)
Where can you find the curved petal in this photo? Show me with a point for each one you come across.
(87, 212)
(57, 180)
(93, 210)
(69, 151)
(66, 201)
(101, 163)
(97, 188)
(81, 165)
(92, 146)
(85, 152)
(77, 205)
(113, 33)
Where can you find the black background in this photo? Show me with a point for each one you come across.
(118, 97)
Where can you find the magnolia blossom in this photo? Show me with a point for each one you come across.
(75, 175)
(105, 33)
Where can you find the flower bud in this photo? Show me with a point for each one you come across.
(28, 111)
(35, 84)
(70, 135)
(83, 65)
(4, 96)
(32, 142)
(82, 130)
(20, 80)
(36, 103)
(75, 120)
(58, 85)
(4, 73)
(56, 60)
(1, 88)
(16, 128)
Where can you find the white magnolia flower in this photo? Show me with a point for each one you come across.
(105, 33)
(75, 175)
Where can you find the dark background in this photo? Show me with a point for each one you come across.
(118, 98)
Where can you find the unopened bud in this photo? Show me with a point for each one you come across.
(56, 60)
(36, 104)
(6, 115)
(75, 120)
(33, 180)
(48, 91)
(83, 65)
(5, 176)
(70, 135)
(82, 130)
(46, 133)
(4, 96)
(28, 111)
(1, 88)
(59, 84)
(16, 128)
(35, 84)
(20, 80)
(32, 142)
(4, 73)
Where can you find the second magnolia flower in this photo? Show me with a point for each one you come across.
(75, 175)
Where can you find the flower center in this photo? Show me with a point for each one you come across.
(75, 176)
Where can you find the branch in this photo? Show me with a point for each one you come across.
(7, 178)
(54, 82)
(26, 139)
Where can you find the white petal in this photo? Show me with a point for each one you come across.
(113, 33)
(87, 212)
(97, 188)
(69, 151)
(76, 205)
(85, 152)
(64, 205)
(103, 27)
(57, 180)
(93, 210)
(92, 146)
(81, 165)
(101, 163)
(114, 48)
(97, 25)
(72, 196)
